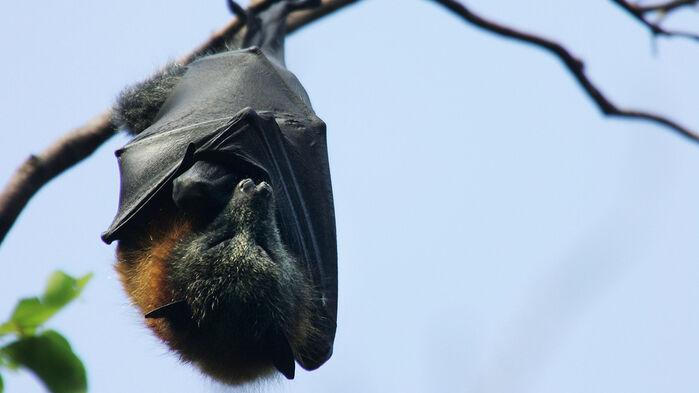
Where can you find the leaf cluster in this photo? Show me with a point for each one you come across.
(24, 343)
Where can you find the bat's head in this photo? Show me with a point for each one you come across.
(215, 281)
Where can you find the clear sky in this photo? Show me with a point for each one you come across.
(496, 233)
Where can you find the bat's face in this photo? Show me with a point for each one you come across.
(221, 289)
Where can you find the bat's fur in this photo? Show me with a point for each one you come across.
(242, 287)
(138, 105)
(242, 292)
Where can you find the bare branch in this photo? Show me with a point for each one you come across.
(641, 14)
(666, 7)
(574, 65)
(38, 170)
(81, 142)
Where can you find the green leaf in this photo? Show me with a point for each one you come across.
(30, 313)
(2, 385)
(7, 327)
(6, 362)
(51, 358)
(62, 288)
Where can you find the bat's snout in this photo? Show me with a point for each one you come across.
(205, 187)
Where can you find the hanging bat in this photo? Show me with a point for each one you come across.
(225, 226)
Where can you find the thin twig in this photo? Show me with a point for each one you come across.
(641, 14)
(666, 7)
(574, 65)
(78, 144)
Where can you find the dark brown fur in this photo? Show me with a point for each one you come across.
(244, 292)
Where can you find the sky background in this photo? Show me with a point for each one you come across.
(495, 232)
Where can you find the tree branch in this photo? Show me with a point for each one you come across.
(38, 170)
(81, 142)
(574, 65)
(640, 13)
(666, 7)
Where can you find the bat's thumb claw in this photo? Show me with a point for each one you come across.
(264, 189)
(246, 186)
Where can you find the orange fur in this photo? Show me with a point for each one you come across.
(142, 266)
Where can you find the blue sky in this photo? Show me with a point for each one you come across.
(495, 233)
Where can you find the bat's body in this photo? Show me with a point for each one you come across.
(226, 226)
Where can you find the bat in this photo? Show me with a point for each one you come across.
(225, 225)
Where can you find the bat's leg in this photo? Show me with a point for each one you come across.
(267, 29)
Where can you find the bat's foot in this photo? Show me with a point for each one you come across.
(237, 10)
(266, 28)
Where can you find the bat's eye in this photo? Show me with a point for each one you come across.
(203, 188)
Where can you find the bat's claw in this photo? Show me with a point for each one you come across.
(264, 189)
(248, 187)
